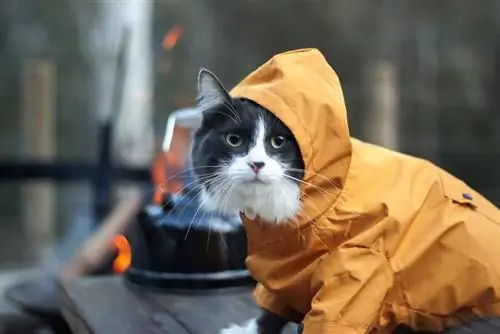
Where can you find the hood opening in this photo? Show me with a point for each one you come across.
(304, 92)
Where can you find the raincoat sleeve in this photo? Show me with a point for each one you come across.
(352, 284)
(272, 303)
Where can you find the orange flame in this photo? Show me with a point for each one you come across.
(124, 257)
(172, 37)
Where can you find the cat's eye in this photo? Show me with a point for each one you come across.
(278, 142)
(234, 140)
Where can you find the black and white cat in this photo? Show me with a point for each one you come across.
(246, 160)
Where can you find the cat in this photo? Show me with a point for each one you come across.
(246, 160)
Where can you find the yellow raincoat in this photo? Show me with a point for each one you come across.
(383, 238)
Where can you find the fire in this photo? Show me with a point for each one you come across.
(172, 37)
(124, 257)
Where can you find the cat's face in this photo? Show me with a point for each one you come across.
(244, 157)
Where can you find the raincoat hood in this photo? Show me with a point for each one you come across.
(381, 236)
(304, 92)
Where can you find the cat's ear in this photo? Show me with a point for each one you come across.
(211, 92)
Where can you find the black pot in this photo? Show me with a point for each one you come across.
(180, 246)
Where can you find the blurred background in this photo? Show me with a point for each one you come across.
(86, 85)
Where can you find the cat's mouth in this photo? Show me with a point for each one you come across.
(256, 180)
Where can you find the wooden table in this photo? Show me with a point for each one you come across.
(105, 305)
(12, 319)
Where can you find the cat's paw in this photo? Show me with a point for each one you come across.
(250, 327)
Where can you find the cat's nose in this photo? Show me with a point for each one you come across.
(256, 166)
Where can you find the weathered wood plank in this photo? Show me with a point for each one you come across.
(108, 305)
(103, 305)
(207, 313)
(12, 319)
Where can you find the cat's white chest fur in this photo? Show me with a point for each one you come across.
(250, 327)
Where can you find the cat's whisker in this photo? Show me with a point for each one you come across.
(175, 205)
(200, 186)
(225, 203)
(224, 193)
(303, 197)
(197, 187)
(324, 192)
(186, 205)
(189, 169)
(191, 223)
(223, 240)
(208, 237)
(209, 230)
(330, 181)
(197, 210)
(210, 225)
(186, 171)
(194, 184)
(210, 184)
(299, 235)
